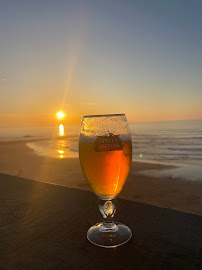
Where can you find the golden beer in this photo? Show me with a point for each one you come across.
(106, 169)
(105, 152)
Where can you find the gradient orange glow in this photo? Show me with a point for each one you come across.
(90, 61)
(133, 113)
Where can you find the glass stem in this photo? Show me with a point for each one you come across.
(108, 209)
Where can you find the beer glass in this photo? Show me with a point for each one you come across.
(105, 152)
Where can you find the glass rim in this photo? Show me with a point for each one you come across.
(103, 115)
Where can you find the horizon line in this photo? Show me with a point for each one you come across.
(154, 121)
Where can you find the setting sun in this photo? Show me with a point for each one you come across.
(60, 115)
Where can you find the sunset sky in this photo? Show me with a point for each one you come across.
(142, 58)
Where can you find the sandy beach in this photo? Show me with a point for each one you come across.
(16, 158)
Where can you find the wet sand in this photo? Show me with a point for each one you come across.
(179, 194)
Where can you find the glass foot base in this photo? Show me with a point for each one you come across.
(115, 235)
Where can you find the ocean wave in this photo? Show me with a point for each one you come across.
(31, 138)
(186, 149)
(179, 141)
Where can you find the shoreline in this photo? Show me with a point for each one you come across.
(18, 159)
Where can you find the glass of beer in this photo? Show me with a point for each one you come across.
(105, 152)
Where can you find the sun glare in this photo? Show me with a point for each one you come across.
(60, 115)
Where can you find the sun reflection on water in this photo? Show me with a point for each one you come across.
(61, 130)
(62, 144)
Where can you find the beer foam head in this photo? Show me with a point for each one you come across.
(102, 125)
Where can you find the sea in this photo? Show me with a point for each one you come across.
(177, 143)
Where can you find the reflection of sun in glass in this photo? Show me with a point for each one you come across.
(61, 130)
